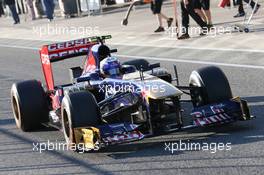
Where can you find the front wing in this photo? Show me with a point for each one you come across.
(220, 113)
(214, 114)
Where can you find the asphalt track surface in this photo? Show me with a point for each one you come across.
(148, 156)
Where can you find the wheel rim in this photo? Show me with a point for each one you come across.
(197, 98)
(66, 124)
(15, 108)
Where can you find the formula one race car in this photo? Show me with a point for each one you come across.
(98, 109)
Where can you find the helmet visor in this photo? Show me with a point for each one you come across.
(115, 71)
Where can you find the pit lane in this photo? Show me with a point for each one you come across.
(147, 156)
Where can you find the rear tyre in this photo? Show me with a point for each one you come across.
(78, 109)
(138, 63)
(29, 105)
(214, 86)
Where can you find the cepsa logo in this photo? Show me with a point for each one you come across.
(63, 49)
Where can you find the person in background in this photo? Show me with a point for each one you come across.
(61, 5)
(31, 9)
(156, 9)
(241, 11)
(49, 6)
(38, 8)
(202, 8)
(12, 6)
(2, 12)
(188, 9)
(175, 11)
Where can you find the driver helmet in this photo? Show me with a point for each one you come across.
(110, 66)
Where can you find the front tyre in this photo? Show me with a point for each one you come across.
(214, 86)
(78, 109)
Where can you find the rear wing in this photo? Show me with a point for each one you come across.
(64, 50)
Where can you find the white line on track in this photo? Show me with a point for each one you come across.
(195, 48)
(194, 62)
(162, 59)
(19, 47)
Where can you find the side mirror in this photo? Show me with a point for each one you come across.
(155, 65)
(75, 72)
(113, 50)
